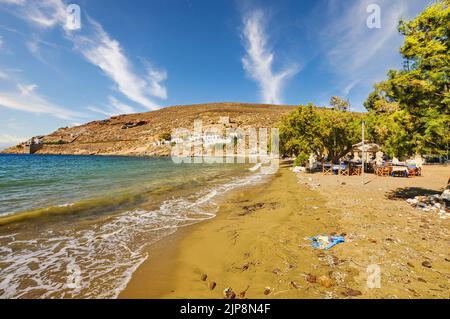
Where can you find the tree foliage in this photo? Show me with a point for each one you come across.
(409, 112)
(327, 133)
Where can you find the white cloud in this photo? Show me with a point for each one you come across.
(6, 139)
(26, 89)
(115, 107)
(155, 77)
(120, 107)
(97, 47)
(106, 53)
(45, 13)
(258, 61)
(27, 100)
(15, 2)
(358, 55)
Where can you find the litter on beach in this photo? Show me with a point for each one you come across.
(326, 242)
(432, 203)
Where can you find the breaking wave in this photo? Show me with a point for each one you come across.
(96, 258)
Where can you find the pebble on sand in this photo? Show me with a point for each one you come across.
(267, 291)
(212, 285)
(204, 277)
(426, 264)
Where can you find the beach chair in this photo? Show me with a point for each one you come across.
(418, 171)
(327, 169)
(386, 171)
(399, 171)
(344, 170)
(355, 170)
(378, 170)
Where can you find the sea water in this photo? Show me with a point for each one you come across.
(79, 226)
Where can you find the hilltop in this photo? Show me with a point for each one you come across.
(139, 134)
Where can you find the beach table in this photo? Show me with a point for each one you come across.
(337, 168)
(399, 169)
(412, 170)
(356, 169)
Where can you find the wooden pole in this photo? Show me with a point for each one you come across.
(363, 152)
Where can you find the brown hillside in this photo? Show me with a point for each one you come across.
(134, 134)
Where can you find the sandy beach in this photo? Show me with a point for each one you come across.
(258, 243)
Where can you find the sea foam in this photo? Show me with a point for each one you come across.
(97, 260)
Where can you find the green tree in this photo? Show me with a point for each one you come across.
(329, 134)
(409, 112)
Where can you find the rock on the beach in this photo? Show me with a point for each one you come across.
(446, 195)
(204, 277)
(212, 285)
(267, 291)
(426, 264)
(412, 201)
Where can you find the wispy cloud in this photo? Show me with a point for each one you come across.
(155, 77)
(44, 13)
(359, 55)
(107, 54)
(15, 2)
(258, 61)
(25, 98)
(98, 48)
(115, 107)
(6, 139)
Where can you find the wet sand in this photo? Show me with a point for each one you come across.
(258, 246)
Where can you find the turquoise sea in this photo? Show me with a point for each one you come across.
(78, 226)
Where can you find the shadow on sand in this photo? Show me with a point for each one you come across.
(410, 192)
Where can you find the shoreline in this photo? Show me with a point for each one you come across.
(257, 244)
(175, 269)
(162, 255)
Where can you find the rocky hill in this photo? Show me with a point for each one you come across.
(142, 133)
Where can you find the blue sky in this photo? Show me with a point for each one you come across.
(136, 56)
